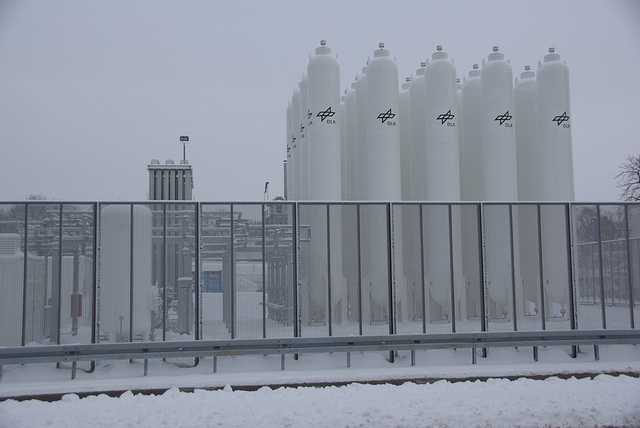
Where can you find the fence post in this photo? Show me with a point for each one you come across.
(483, 313)
(451, 271)
(629, 267)
(390, 274)
(422, 275)
(572, 296)
(329, 315)
(24, 274)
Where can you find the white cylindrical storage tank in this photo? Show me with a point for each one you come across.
(442, 163)
(350, 143)
(287, 167)
(554, 121)
(417, 134)
(295, 146)
(555, 128)
(304, 139)
(114, 272)
(342, 127)
(405, 143)
(527, 136)
(471, 175)
(500, 179)
(471, 130)
(360, 159)
(382, 139)
(382, 154)
(529, 186)
(323, 74)
(499, 149)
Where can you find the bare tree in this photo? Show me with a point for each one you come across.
(629, 178)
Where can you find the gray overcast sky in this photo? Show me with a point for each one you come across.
(90, 91)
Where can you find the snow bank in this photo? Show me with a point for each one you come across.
(604, 400)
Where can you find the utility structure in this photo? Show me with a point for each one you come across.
(173, 251)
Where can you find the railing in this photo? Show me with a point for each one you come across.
(111, 272)
(217, 348)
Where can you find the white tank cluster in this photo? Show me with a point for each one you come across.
(434, 136)
(387, 140)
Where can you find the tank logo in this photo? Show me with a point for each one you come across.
(562, 118)
(387, 115)
(444, 118)
(504, 119)
(326, 114)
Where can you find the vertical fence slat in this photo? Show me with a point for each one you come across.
(329, 315)
(451, 271)
(422, 275)
(24, 274)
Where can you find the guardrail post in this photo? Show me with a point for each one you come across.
(281, 361)
(74, 369)
(215, 363)
(413, 357)
(146, 367)
(348, 360)
(629, 266)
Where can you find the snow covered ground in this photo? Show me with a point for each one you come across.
(121, 375)
(602, 401)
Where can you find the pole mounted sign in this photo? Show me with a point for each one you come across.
(184, 139)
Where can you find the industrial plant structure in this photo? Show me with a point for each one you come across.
(436, 138)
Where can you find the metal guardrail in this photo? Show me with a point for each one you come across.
(295, 345)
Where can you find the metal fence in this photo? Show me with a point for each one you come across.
(96, 272)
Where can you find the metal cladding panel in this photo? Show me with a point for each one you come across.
(498, 144)
(323, 98)
(417, 135)
(442, 157)
(527, 138)
(382, 151)
(471, 175)
(180, 184)
(555, 129)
